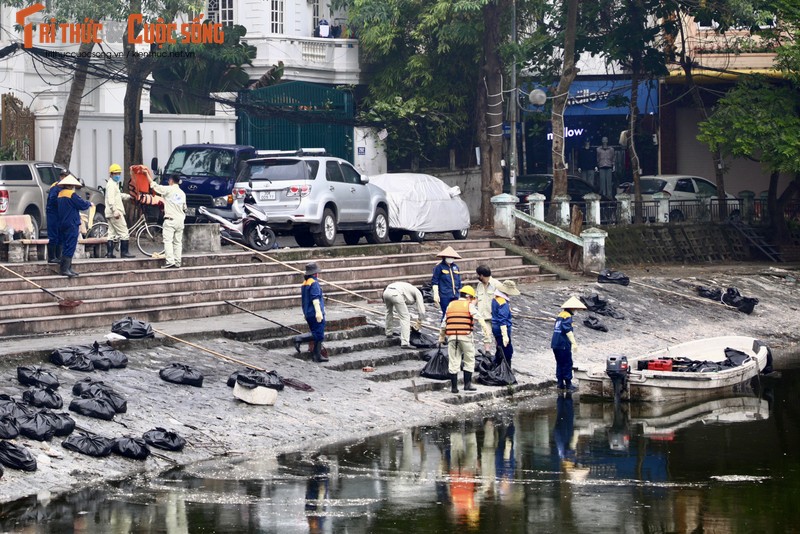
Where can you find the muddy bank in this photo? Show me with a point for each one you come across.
(345, 405)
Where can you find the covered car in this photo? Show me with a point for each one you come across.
(420, 204)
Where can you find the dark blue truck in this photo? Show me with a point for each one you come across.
(208, 172)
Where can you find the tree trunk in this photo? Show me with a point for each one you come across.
(490, 97)
(634, 156)
(568, 74)
(72, 111)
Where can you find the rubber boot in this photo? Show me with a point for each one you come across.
(318, 357)
(468, 382)
(52, 254)
(300, 339)
(453, 383)
(66, 267)
(110, 246)
(124, 249)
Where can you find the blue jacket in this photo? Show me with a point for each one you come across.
(448, 279)
(70, 206)
(562, 327)
(52, 200)
(501, 315)
(311, 291)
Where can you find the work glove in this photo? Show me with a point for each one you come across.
(436, 295)
(418, 324)
(571, 337)
(317, 309)
(504, 332)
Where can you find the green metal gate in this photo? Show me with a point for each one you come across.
(295, 115)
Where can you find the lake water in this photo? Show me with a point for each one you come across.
(728, 465)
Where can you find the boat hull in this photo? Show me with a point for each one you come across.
(660, 386)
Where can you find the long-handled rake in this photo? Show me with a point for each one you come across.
(62, 302)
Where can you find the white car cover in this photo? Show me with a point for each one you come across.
(422, 203)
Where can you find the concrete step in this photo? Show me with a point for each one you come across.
(400, 370)
(367, 330)
(362, 346)
(375, 358)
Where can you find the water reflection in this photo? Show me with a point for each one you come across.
(722, 465)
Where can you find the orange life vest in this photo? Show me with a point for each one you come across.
(458, 319)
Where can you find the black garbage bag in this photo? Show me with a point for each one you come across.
(427, 293)
(733, 298)
(89, 444)
(734, 357)
(82, 363)
(115, 358)
(597, 304)
(99, 390)
(499, 375)
(132, 328)
(437, 367)
(421, 341)
(37, 426)
(43, 398)
(9, 428)
(101, 364)
(62, 422)
(178, 373)
(82, 386)
(607, 276)
(91, 406)
(31, 375)
(267, 379)
(595, 324)
(713, 293)
(64, 357)
(483, 362)
(234, 375)
(14, 408)
(164, 439)
(16, 457)
(134, 448)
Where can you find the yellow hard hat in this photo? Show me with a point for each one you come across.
(114, 168)
(467, 290)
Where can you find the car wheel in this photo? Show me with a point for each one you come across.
(380, 228)
(304, 238)
(35, 223)
(395, 236)
(676, 216)
(327, 227)
(419, 237)
(352, 238)
(461, 234)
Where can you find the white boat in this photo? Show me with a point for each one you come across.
(650, 384)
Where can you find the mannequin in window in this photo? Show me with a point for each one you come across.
(586, 163)
(605, 164)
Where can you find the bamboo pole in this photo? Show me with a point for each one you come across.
(690, 297)
(214, 353)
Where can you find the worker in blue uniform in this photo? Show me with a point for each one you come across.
(446, 281)
(501, 319)
(70, 206)
(563, 343)
(51, 211)
(314, 309)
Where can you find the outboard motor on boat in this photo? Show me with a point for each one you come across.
(617, 370)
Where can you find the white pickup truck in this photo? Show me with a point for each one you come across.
(24, 186)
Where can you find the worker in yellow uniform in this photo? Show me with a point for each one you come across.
(115, 214)
(174, 215)
(459, 319)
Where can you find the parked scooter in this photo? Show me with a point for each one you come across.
(250, 227)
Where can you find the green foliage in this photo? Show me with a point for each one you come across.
(757, 120)
(183, 86)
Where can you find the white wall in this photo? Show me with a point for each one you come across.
(373, 159)
(469, 180)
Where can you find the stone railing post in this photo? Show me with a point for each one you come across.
(504, 220)
(536, 205)
(748, 205)
(594, 250)
(562, 210)
(704, 212)
(592, 208)
(663, 206)
(624, 212)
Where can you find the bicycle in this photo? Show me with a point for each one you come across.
(149, 236)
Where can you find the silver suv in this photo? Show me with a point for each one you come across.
(313, 196)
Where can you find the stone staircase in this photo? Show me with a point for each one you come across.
(110, 289)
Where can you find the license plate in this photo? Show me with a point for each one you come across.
(190, 212)
(266, 195)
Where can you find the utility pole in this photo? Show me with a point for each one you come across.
(512, 108)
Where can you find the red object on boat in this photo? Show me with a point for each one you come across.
(659, 365)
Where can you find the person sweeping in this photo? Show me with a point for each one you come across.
(563, 343)
(70, 205)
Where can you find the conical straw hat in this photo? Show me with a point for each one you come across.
(449, 253)
(70, 180)
(573, 304)
(508, 287)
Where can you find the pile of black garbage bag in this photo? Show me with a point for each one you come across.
(486, 372)
(607, 276)
(731, 297)
(88, 358)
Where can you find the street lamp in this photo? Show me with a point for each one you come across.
(537, 97)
